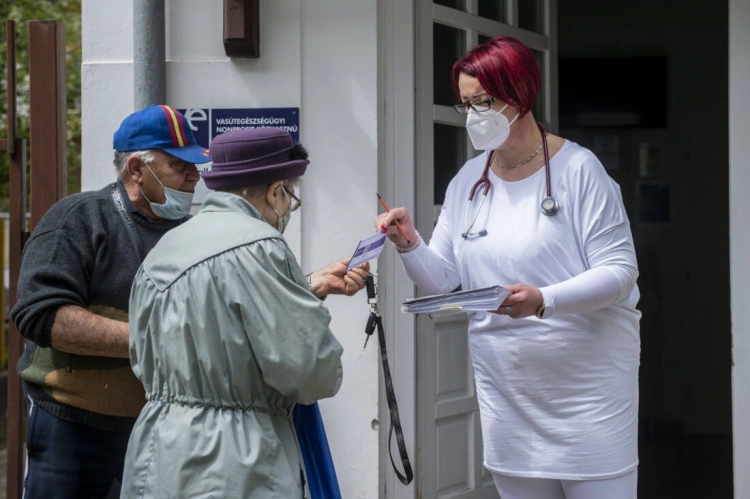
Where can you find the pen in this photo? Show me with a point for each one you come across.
(398, 226)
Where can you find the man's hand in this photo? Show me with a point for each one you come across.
(335, 280)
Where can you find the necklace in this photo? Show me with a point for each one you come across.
(516, 165)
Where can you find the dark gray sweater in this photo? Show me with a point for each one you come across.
(80, 253)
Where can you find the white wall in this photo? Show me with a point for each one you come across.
(339, 123)
(320, 56)
(739, 152)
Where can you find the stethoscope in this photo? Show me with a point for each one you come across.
(549, 205)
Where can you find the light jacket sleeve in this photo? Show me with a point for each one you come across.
(286, 325)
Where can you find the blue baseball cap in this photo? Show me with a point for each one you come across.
(160, 127)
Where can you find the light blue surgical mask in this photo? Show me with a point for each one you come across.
(177, 205)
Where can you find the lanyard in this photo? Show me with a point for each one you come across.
(375, 320)
(135, 238)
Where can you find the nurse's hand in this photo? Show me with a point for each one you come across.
(335, 280)
(385, 222)
(523, 301)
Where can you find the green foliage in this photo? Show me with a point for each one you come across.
(22, 11)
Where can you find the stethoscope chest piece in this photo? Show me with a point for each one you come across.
(550, 206)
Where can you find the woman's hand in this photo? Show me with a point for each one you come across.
(385, 223)
(523, 301)
(335, 280)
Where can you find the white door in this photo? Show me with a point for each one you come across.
(449, 463)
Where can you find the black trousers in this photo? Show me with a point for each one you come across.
(68, 460)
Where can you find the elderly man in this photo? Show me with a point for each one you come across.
(72, 307)
(250, 341)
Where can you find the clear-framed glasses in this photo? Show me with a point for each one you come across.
(295, 202)
(479, 106)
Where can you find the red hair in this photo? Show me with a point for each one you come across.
(506, 69)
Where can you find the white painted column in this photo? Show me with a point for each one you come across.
(739, 234)
(338, 124)
(397, 183)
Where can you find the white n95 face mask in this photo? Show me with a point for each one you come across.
(488, 129)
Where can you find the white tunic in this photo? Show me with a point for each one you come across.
(558, 397)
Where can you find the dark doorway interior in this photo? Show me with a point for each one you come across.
(643, 84)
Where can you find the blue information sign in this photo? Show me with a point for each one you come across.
(208, 123)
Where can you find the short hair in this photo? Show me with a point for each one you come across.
(506, 69)
(121, 160)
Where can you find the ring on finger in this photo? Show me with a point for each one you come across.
(508, 310)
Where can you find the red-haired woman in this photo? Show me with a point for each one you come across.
(556, 366)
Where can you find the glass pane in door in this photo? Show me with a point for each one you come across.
(453, 4)
(540, 106)
(450, 156)
(448, 45)
(492, 9)
(531, 15)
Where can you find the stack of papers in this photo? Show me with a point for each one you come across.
(488, 298)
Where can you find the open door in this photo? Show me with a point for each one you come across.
(450, 462)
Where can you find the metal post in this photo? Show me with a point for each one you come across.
(48, 115)
(2, 291)
(10, 58)
(16, 149)
(149, 53)
(16, 404)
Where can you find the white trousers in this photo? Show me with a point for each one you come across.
(513, 487)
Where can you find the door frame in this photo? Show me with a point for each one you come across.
(739, 237)
(396, 182)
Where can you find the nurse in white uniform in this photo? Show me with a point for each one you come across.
(556, 365)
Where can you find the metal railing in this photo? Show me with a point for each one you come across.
(5, 267)
(48, 127)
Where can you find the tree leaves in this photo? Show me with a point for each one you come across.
(22, 11)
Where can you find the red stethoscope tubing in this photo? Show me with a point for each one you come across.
(484, 180)
(549, 205)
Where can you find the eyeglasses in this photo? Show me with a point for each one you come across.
(295, 202)
(478, 106)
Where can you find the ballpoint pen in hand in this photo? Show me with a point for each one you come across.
(398, 225)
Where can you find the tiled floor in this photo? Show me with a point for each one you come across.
(685, 467)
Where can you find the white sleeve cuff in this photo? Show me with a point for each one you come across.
(548, 297)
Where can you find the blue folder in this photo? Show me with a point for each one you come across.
(321, 475)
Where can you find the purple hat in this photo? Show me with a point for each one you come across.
(252, 156)
(159, 127)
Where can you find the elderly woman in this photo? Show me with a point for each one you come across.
(556, 367)
(227, 335)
